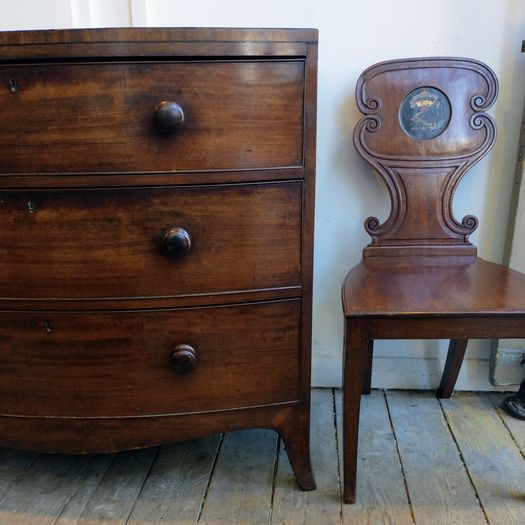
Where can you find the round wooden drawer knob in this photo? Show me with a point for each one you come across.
(183, 359)
(176, 242)
(169, 117)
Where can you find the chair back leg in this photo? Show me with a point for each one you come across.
(456, 352)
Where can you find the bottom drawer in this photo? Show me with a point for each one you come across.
(120, 363)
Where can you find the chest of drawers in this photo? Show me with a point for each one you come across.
(156, 231)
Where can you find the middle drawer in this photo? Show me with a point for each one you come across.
(149, 242)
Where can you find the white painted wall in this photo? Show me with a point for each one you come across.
(354, 35)
(35, 14)
(62, 14)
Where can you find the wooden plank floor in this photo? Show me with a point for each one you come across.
(421, 462)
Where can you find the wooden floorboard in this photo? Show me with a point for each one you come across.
(241, 485)
(323, 506)
(175, 489)
(13, 466)
(491, 457)
(113, 500)
(85, 490)
(44, 489)
(515, 426)
(421, 462)
(438, 483)
(381, 494)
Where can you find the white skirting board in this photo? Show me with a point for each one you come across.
(506, 363)
(410, 373)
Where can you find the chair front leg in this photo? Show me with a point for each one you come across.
(456, 352)
(355, 361)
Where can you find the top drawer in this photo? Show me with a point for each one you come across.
(100, 117)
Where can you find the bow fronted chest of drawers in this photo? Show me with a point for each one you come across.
(156, 233)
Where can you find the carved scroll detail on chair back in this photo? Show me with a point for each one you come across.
(424, 127)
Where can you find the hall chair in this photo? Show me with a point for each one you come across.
(424, 126)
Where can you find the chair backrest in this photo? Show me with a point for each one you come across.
(424, 127)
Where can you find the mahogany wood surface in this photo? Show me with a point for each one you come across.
(422, 174)
(432, 286)
(156, 236)
(420, 276)
(145, 179)
(92, 243)
(120, 363)
(111, 434)
(103, 117)
(455, 354)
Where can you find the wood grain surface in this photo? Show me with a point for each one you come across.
(88, 244)
(101, 117)
(118, 364)
(156, 248)
(424, 126)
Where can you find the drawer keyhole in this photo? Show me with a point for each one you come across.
(13, 85)
(47, 327)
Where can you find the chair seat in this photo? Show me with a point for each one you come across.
(397, 286)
